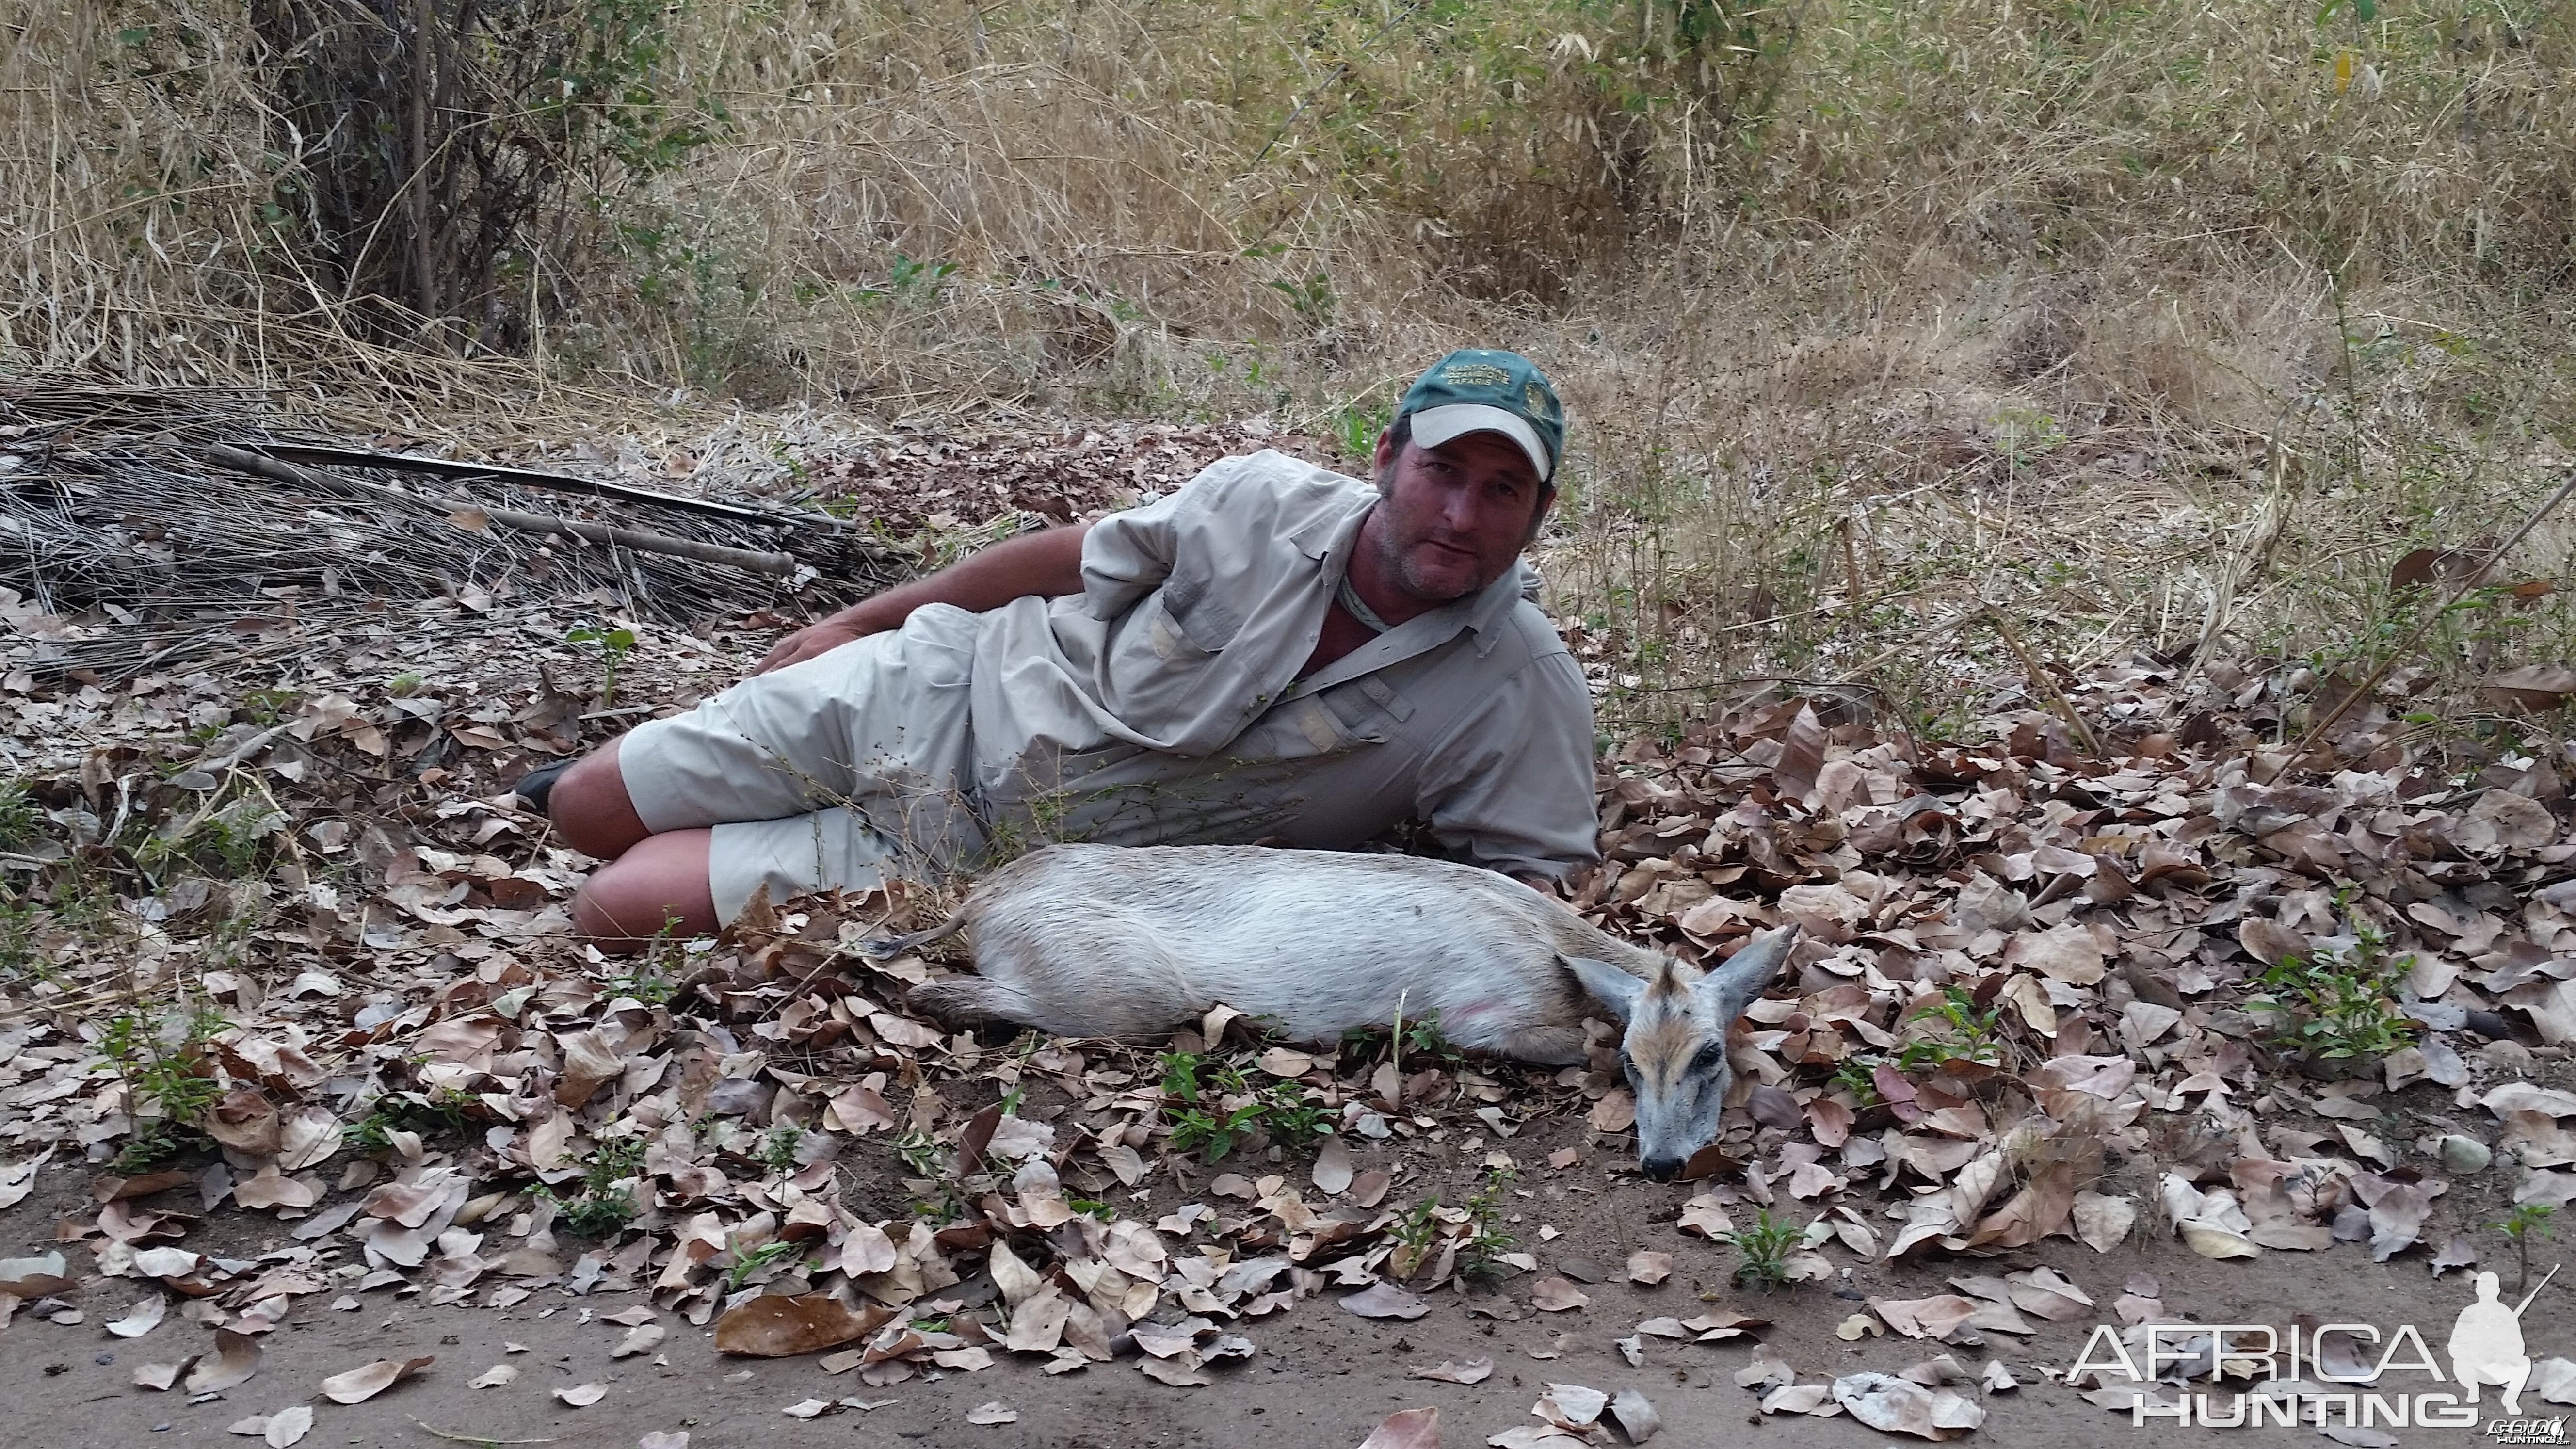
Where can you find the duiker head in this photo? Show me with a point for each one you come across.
(1674, 1049)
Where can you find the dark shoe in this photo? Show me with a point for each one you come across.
(538, 783)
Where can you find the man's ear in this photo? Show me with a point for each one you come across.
(1386, 451)
(1538, 516)
(1609, 985)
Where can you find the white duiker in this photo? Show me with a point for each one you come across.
(1092, 940)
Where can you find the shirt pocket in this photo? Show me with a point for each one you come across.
(1330, 722)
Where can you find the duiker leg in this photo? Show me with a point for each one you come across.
(1546, 1046)
(966, 1000)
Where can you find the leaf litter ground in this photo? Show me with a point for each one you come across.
(313, 1120)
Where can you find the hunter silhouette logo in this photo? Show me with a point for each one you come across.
(2355, 1376)
(2486, 1343)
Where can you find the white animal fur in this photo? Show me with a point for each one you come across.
(1089, 940)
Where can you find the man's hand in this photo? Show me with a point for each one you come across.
(813, 639)
(1046, 563)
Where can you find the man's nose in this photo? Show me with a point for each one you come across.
(1459, 509)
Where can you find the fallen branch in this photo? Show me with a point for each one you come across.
(530, 477)
(776, 564)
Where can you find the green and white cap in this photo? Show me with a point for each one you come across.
(1485, 390)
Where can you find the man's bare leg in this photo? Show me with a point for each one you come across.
(590, 807)
(650, 880)
(660, 881)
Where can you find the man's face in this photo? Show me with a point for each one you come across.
(1453, 518)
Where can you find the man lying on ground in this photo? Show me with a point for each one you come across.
(1273, 653)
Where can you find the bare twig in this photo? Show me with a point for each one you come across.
(2459, 588)
(455, 1438)
(2040, 681)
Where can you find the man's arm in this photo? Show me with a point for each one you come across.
(1047, 563)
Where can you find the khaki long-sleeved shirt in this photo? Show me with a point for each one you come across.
(1162, 705)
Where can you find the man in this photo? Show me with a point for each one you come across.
(1275, 652)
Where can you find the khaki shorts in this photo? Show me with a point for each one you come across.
(841, 770)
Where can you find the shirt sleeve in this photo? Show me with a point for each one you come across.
(1129, 554)
(1511, 788)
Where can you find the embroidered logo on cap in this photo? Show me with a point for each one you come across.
(1475, 374)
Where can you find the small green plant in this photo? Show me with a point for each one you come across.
(652, 974)
(404, 685)
(1964, 1033)
(614, 643)
(1415, 1037)
(1481, 1250)
(1858, 1076)
(1210, 1105)
(268, 706)
(2518, 1226)
(748, 1261)
(605, 1203)
(167, 1093)
(920, 1153)
(19, 919)
(777, 1149)
(20, 820)
(1094, 1208)
(1762, 1250)
(2337, 1007)
(442, 1111)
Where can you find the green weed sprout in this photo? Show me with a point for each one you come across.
(614, 644)
(1763, 1250)
(2337, 1008)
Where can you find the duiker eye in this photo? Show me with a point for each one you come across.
(1709, 1059)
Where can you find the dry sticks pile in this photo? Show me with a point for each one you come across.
(139, 529)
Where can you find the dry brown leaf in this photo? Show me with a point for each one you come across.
(781, 1327)
(1333, 1171)
(994, 1412)
(1555, 1295)
(1615, 1112)
(1385, 1300)
(368, 1380)
(287, 1426)
(1936, 1317)
(160, 1376)
(1405, 1429)
(1182, 1372)
(582, 1396)
(1901, 1406)
(235, 1359)
(1473, 1371)
(1635, 1414)
(1648, 1267)
(142, 1318)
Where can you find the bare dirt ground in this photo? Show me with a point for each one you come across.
(298, 1069)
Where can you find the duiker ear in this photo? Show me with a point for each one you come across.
(1734, 983)
(1609, 985)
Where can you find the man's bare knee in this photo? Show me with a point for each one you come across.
(591, 809)
(660, 886)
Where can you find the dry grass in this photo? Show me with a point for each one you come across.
(2133, 324)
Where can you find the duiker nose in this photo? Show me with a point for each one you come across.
(1661, 1169)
